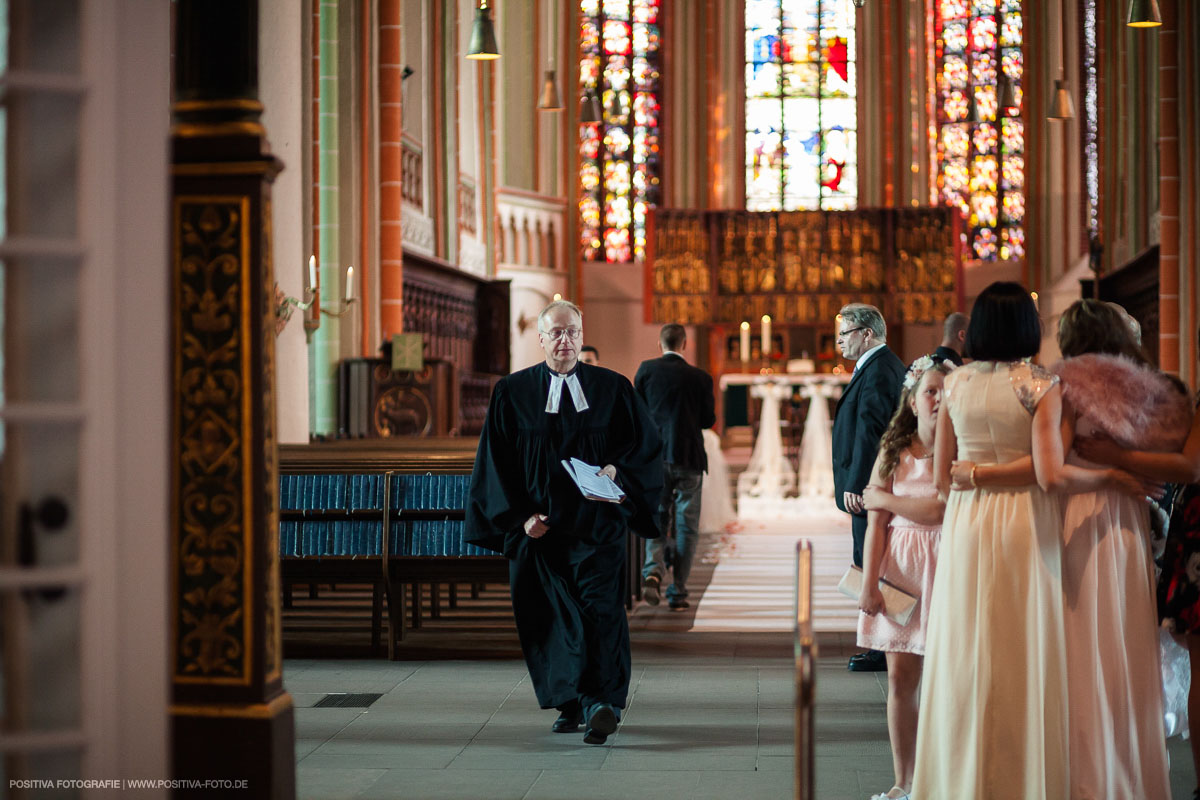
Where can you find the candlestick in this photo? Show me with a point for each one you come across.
(312, 272)
(349, 284)
(745, 341)
(766, 335)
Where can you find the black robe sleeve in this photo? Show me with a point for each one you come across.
(498, 503)
(639, 467)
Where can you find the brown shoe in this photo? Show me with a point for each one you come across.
(650, 591)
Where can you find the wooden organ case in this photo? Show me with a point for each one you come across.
(464, 321)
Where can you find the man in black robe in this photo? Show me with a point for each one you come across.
(566, 552)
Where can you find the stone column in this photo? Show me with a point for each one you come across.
(231, 718)
(1168, 188)
(391, 168)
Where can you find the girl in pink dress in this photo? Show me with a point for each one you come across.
(904, 524)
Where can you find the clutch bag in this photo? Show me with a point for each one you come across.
(898, 604)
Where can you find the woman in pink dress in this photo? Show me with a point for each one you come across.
(1114, 697)
(904, 523)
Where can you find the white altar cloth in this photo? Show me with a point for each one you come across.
(770, 487)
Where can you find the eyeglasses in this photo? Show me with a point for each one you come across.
(849, 331)
(559, 333)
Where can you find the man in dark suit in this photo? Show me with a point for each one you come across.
(954, 334)
(863, 413)
(680, 399)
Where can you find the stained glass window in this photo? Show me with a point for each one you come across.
(980, 146)
(801, 107)
(619, 67)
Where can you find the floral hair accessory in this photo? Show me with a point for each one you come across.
(920, 367)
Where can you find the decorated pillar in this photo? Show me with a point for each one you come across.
(231, 718)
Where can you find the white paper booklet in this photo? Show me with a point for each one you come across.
(593, 486)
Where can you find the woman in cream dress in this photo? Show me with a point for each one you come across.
(993, 717)
(1114, 702)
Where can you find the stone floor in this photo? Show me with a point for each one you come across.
(709, 716)
(709, 713)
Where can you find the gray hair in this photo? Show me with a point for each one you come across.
(555, 306)
(861, 315)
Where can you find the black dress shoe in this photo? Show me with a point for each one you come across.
(601, 723)
(567, 722)
(870, 661)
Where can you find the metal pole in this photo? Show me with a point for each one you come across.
(806, 676)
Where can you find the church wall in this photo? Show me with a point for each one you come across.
(1144, 178)
(281, 58)
(417, 113)
(124, 374)
(473, 180)
(614, 322)
(516, 73)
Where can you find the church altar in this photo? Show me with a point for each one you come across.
(771, 487)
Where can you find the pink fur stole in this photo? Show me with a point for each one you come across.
(1138, 407)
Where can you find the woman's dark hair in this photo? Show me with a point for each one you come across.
(1004, 324)
(1093, 326)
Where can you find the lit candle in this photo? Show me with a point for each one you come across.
(349, 284)
(745, 341)
(766, 335)
(312, 272)
(1034, 295)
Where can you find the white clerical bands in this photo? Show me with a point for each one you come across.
(555, 396)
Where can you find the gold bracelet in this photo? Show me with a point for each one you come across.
(974, 485)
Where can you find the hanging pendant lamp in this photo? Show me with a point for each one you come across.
(1061, 105)
(483, 35)
(614, 105)
(548, 100)
(1006, 93)
(590, 110)
(1144, 14)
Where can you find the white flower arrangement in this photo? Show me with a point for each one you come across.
(920, 367)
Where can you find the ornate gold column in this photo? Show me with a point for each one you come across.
(231, 718)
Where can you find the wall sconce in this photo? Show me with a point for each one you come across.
(311, 305)
(523, 322)
(483, 45)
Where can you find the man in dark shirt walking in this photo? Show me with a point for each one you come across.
(680, 399)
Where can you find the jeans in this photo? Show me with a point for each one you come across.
(679, 509)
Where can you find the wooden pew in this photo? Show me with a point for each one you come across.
(388, 513)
